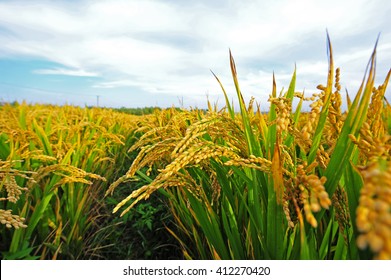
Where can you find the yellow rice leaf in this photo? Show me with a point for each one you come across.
(277, 173)
(216, 255)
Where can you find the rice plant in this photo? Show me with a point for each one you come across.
(286, 184)
(54, 164)
(281, 185)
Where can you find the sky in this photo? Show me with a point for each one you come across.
(139, 53)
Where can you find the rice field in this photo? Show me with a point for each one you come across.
(285, 184)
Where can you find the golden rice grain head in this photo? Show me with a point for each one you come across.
(9, 220)
(373, 218)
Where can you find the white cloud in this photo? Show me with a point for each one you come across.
(66, 72)
(167, 47)
(115, 84)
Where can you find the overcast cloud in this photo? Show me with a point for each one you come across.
(147, 53)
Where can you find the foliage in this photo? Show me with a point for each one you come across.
(197, 184)
(54, 165)
(286, 185)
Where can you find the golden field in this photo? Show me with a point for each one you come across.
(236, 185)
